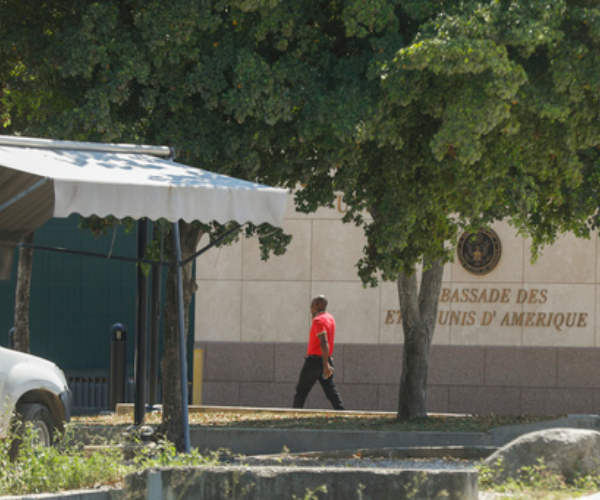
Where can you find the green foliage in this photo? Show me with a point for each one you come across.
(165, 454)
(149, 72)
(535, 481)
(99, 226)
(37, 469)
(312, 494)
(67, 466)
(431, 117)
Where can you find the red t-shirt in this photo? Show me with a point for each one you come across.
(321, 322)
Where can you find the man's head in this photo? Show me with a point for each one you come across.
(318, 304)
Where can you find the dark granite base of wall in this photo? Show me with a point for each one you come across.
(478, 379)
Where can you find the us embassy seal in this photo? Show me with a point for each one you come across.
(479, 253)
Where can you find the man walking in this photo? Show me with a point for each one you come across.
(318, 364)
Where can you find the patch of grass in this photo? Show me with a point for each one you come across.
(333, 421)
(535, 482)
(37, 469)
(66, 466)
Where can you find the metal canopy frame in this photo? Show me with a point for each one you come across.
(98, 147)
(133, 259)
(160, 151)
(139, 363)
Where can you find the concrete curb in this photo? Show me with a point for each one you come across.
(268, 441)
(271, 441)
(277, 483)
(99, 494)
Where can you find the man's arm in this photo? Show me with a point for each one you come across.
(327, 368)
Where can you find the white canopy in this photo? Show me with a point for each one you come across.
(41, 179)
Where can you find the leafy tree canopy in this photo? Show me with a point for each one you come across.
(430, 116)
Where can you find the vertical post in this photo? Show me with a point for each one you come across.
(182, 347)
(141, 328)
(118, 360)
(197, 381)
(155, 314)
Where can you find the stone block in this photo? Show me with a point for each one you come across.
(555, 401)
(578, 367)
(217, 311)
(520, 367)
(437, 399)
(266, 395)
(498, 400)
(336, 248)
(236, 362)
(275, 311)
(289, 359)
(372, 364)
(220, 394)
(450, 365)
(387, 397)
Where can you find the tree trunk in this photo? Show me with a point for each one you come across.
(419, 314)
(22, 294)
(172, 424)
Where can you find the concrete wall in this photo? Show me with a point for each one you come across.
(477, 379)
(274, 483)
(523, 338)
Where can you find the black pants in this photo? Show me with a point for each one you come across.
(311, 372)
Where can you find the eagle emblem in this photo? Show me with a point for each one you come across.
(479, 253)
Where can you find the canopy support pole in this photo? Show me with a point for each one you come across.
(182, 346)
(155, 323)
(142, 328)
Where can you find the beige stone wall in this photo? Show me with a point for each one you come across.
(551, 303)
(521, 339)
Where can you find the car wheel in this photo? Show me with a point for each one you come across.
(39, 417)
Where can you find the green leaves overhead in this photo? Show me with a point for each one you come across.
(512, 106)
(429, 116)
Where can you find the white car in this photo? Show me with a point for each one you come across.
(34, 390)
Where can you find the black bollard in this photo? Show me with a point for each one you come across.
(118, 365)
